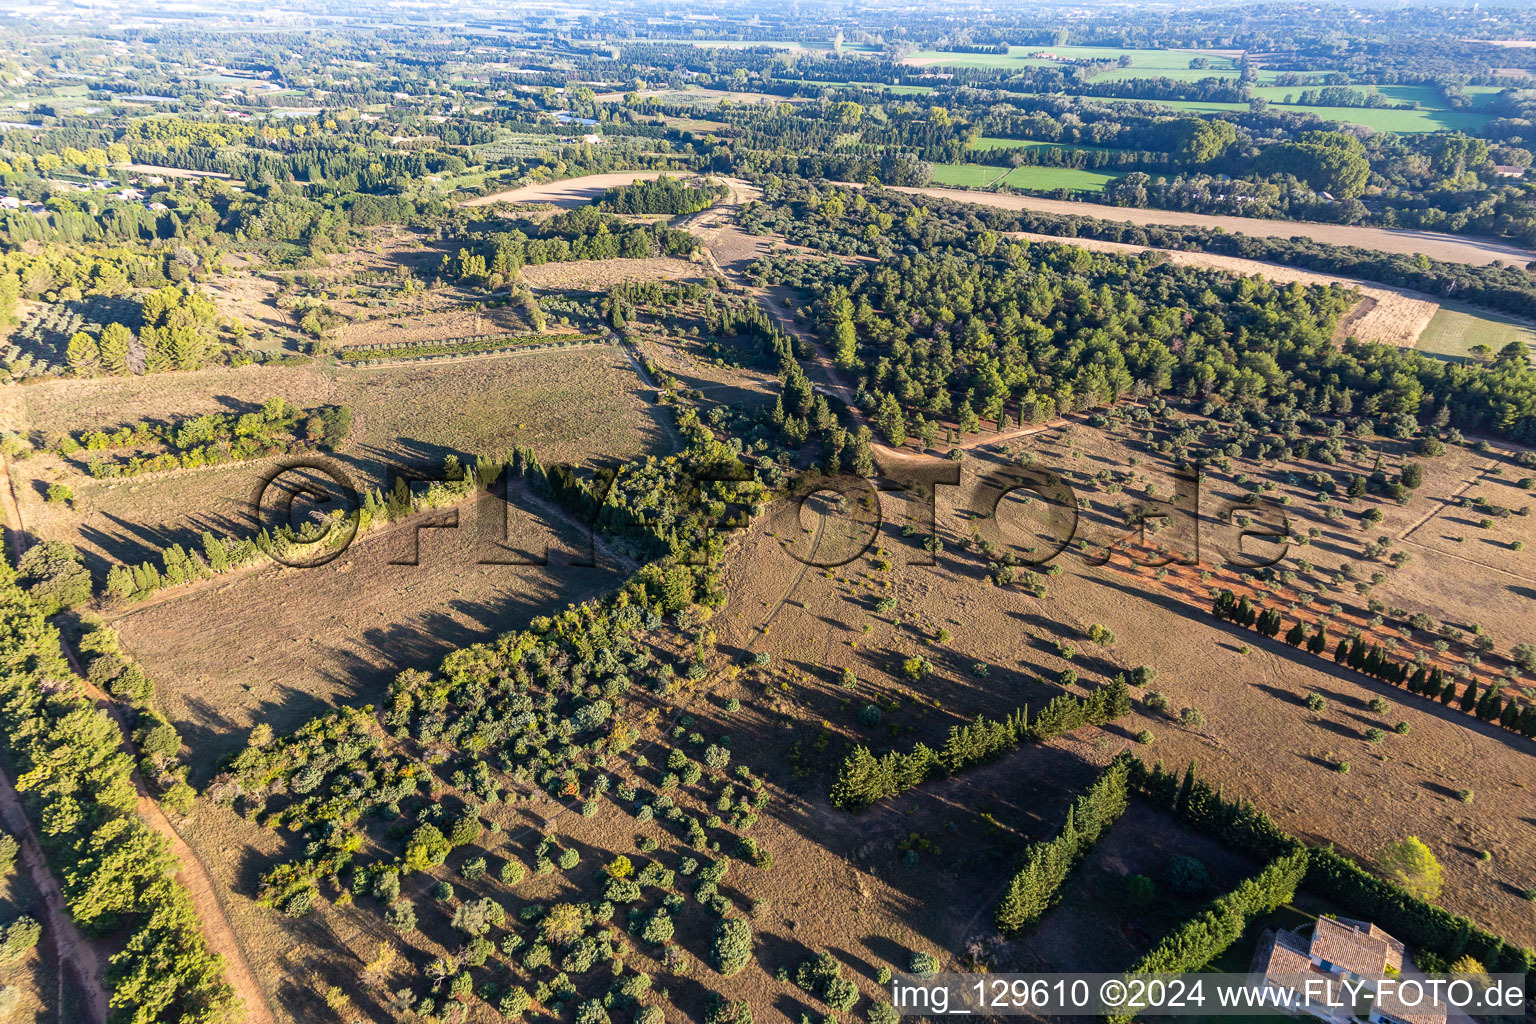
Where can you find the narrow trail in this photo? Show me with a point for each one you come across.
(80, 965)
(75, 953)
(217, 931)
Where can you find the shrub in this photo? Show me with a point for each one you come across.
(1192, 717)
(401, 916)
(18, 937)
(924, 965)
(512, 872)
(1402, 728)
(731, 950)
(1186, 875)
(1144, 737)
(1315, 702)
(479, 916)
(1140, 890)
(658, 928)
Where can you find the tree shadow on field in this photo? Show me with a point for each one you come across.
(1439, 790)
(889, 951)
(1326, 668)
(854, 960)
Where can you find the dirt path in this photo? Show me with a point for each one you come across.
(74, 951)
(713, 225)
(79, 962)
(217, 931)
(1450, 248)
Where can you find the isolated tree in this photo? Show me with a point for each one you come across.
(1411, 865)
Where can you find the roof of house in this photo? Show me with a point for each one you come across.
(1356, 946)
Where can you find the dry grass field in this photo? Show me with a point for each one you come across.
(568, 405)
(567, 193)
(598, 275)
(1250, 691)
(277, 644)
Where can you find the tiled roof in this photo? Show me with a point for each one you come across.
(1353, 946)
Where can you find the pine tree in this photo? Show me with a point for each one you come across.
(113, 348)
(120, 582)
(83, 355)
(215, 552)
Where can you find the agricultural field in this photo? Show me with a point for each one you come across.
(568, 404)
(1452, 248)
(585, 516)
(967, 175)
(994, 143)
(1032, 178)
(1461, 333)
(1043, 179)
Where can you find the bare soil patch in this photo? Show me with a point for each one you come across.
(570, 192)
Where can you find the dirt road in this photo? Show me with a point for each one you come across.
(216, 928)
(1451, 248)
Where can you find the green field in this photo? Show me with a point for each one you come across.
(1144, 63)
(1406, 122)
(895, 90)
(1456, 330)
(1044, 179)
(966, 175)
(1040, 179)
(989, 142)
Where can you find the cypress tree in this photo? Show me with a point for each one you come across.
(1469, 696)
(1296, 634)
(1420, 678)
(1181, 802)
(1509, 718)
